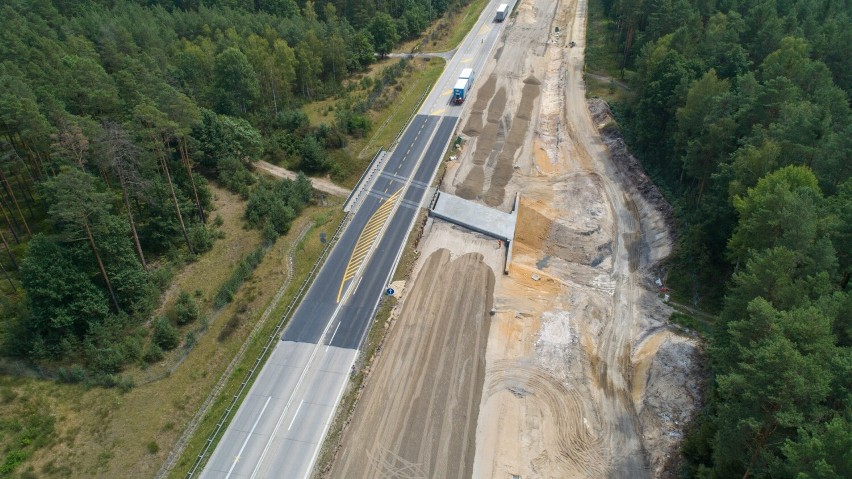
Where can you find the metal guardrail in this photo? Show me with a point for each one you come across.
(408, 120)
(355, 194)
(273, 339)
(200, 460)
(358, 186)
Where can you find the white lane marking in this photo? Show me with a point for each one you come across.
(299, 383)
(353, 360)
(328, 422)
(236, 459)
(335, 329)
(295, 415)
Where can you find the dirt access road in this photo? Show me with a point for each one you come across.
(321, 184)
(583, 377)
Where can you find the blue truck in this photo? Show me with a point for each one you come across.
(462, 87)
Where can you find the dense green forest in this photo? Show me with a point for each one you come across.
(741, 113)
(114, 115)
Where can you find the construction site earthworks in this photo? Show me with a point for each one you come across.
(566, 366)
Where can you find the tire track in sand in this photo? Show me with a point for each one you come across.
(570, 447)
(417, 416)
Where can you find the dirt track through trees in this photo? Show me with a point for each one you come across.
(417, 415)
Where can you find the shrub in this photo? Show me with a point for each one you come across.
(278, 203)
(230, 326)
(314, 156)
(269, 234)
(131, 347)
(200, 238)
(107, 359)
(185, 310)
(162, 276)
(153, 447)
(71, 376)
(190, 340)
(165, 334)
(241, 273)
(292, 120)
(153, 353)
(233, 174)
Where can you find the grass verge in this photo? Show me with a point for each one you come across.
(391, 120)
(410, 253)
(99, 432)
(305, 256)
(447, 32)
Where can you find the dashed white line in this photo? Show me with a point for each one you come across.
(298, 409)
(327, 423)
(237, 459)
(296, 389)
(335, 329)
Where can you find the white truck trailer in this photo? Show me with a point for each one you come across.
(502, 11)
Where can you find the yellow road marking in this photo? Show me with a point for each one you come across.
(366, 239)
(439, 111)
(467, 60)
(485, 28)
(447, 92)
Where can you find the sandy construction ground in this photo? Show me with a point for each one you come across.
(417, 415)
(582, 377)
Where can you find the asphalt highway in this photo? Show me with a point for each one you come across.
(279, 427)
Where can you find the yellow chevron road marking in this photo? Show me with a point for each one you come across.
(366, 239)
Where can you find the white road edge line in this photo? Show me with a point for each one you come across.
(236, 459)
(299, 383)
(348, 289)
(296, 414)
(330, 419)
(390, 274)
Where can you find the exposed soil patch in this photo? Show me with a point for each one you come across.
(583, 379)
(504, 167)
(579, 352)
(485, 92)
(627, 164)
(417, 416)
